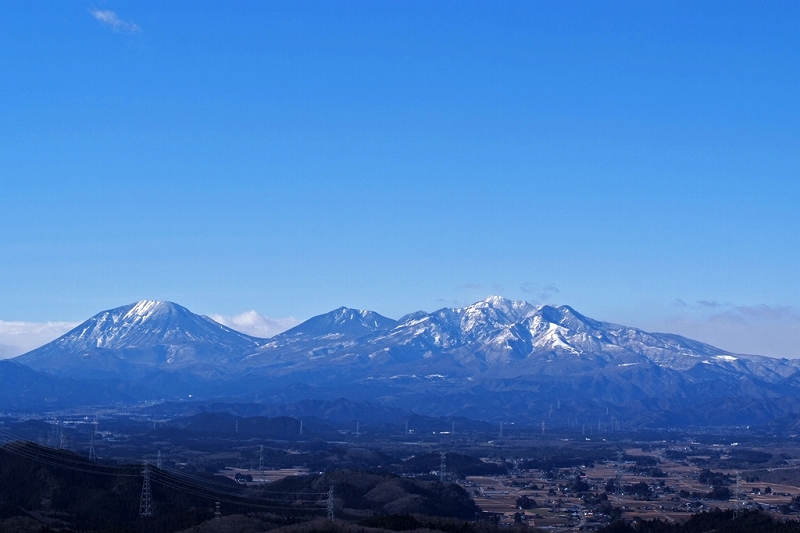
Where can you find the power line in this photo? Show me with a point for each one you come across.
(176, 480)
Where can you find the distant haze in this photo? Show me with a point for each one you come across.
(761, 330)
(19, 337)
(252, 323)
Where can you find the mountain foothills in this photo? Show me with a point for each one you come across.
(496, 359)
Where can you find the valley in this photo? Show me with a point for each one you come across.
(557, 481)
(498, 414)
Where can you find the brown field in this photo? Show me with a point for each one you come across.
(498, 494)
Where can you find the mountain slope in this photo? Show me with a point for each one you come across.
(487, 360)
(501, 338)
(134, 339)
(497, 356)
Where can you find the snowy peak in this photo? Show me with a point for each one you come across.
(147, 323)
(522, 337)
(146, 332)
(497, 309)
(343, 321)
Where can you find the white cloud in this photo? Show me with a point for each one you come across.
(109, 18)
(252, 323)
(19, 337)
(757, 329)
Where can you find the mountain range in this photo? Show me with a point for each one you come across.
(496, 359)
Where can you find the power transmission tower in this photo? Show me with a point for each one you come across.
(330, 504)
(358, 429)
(217, 513)
(158, 461)
(618, 483)
(501, 430)
(543, 426)
(406, 427)
(442, 466)
(146, 502)
(301, 428)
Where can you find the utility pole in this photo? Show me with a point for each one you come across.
(92, 453)
(330, 504)
(146, 501)
(739, 509)
(261, 462)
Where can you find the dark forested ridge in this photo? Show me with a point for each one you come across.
(716, 521)
(45, 489)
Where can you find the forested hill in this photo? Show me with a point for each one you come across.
(45, 489)
(716, 521)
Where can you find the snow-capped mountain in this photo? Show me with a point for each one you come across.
(342, 322)
(140, 337)
(496, 336)
(484, 360)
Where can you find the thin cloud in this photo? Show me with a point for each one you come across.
(767, 312)
(548, 291)
(542, 294)
(708, 303)
(18, 337)
(256, 325)
(110, 19)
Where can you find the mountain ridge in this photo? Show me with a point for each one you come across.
(483, 360)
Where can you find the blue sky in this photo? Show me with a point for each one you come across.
(635, 160)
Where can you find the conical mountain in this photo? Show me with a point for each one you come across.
(343, 321)
(141, 337)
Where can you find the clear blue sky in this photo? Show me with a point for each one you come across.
(636, 160)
